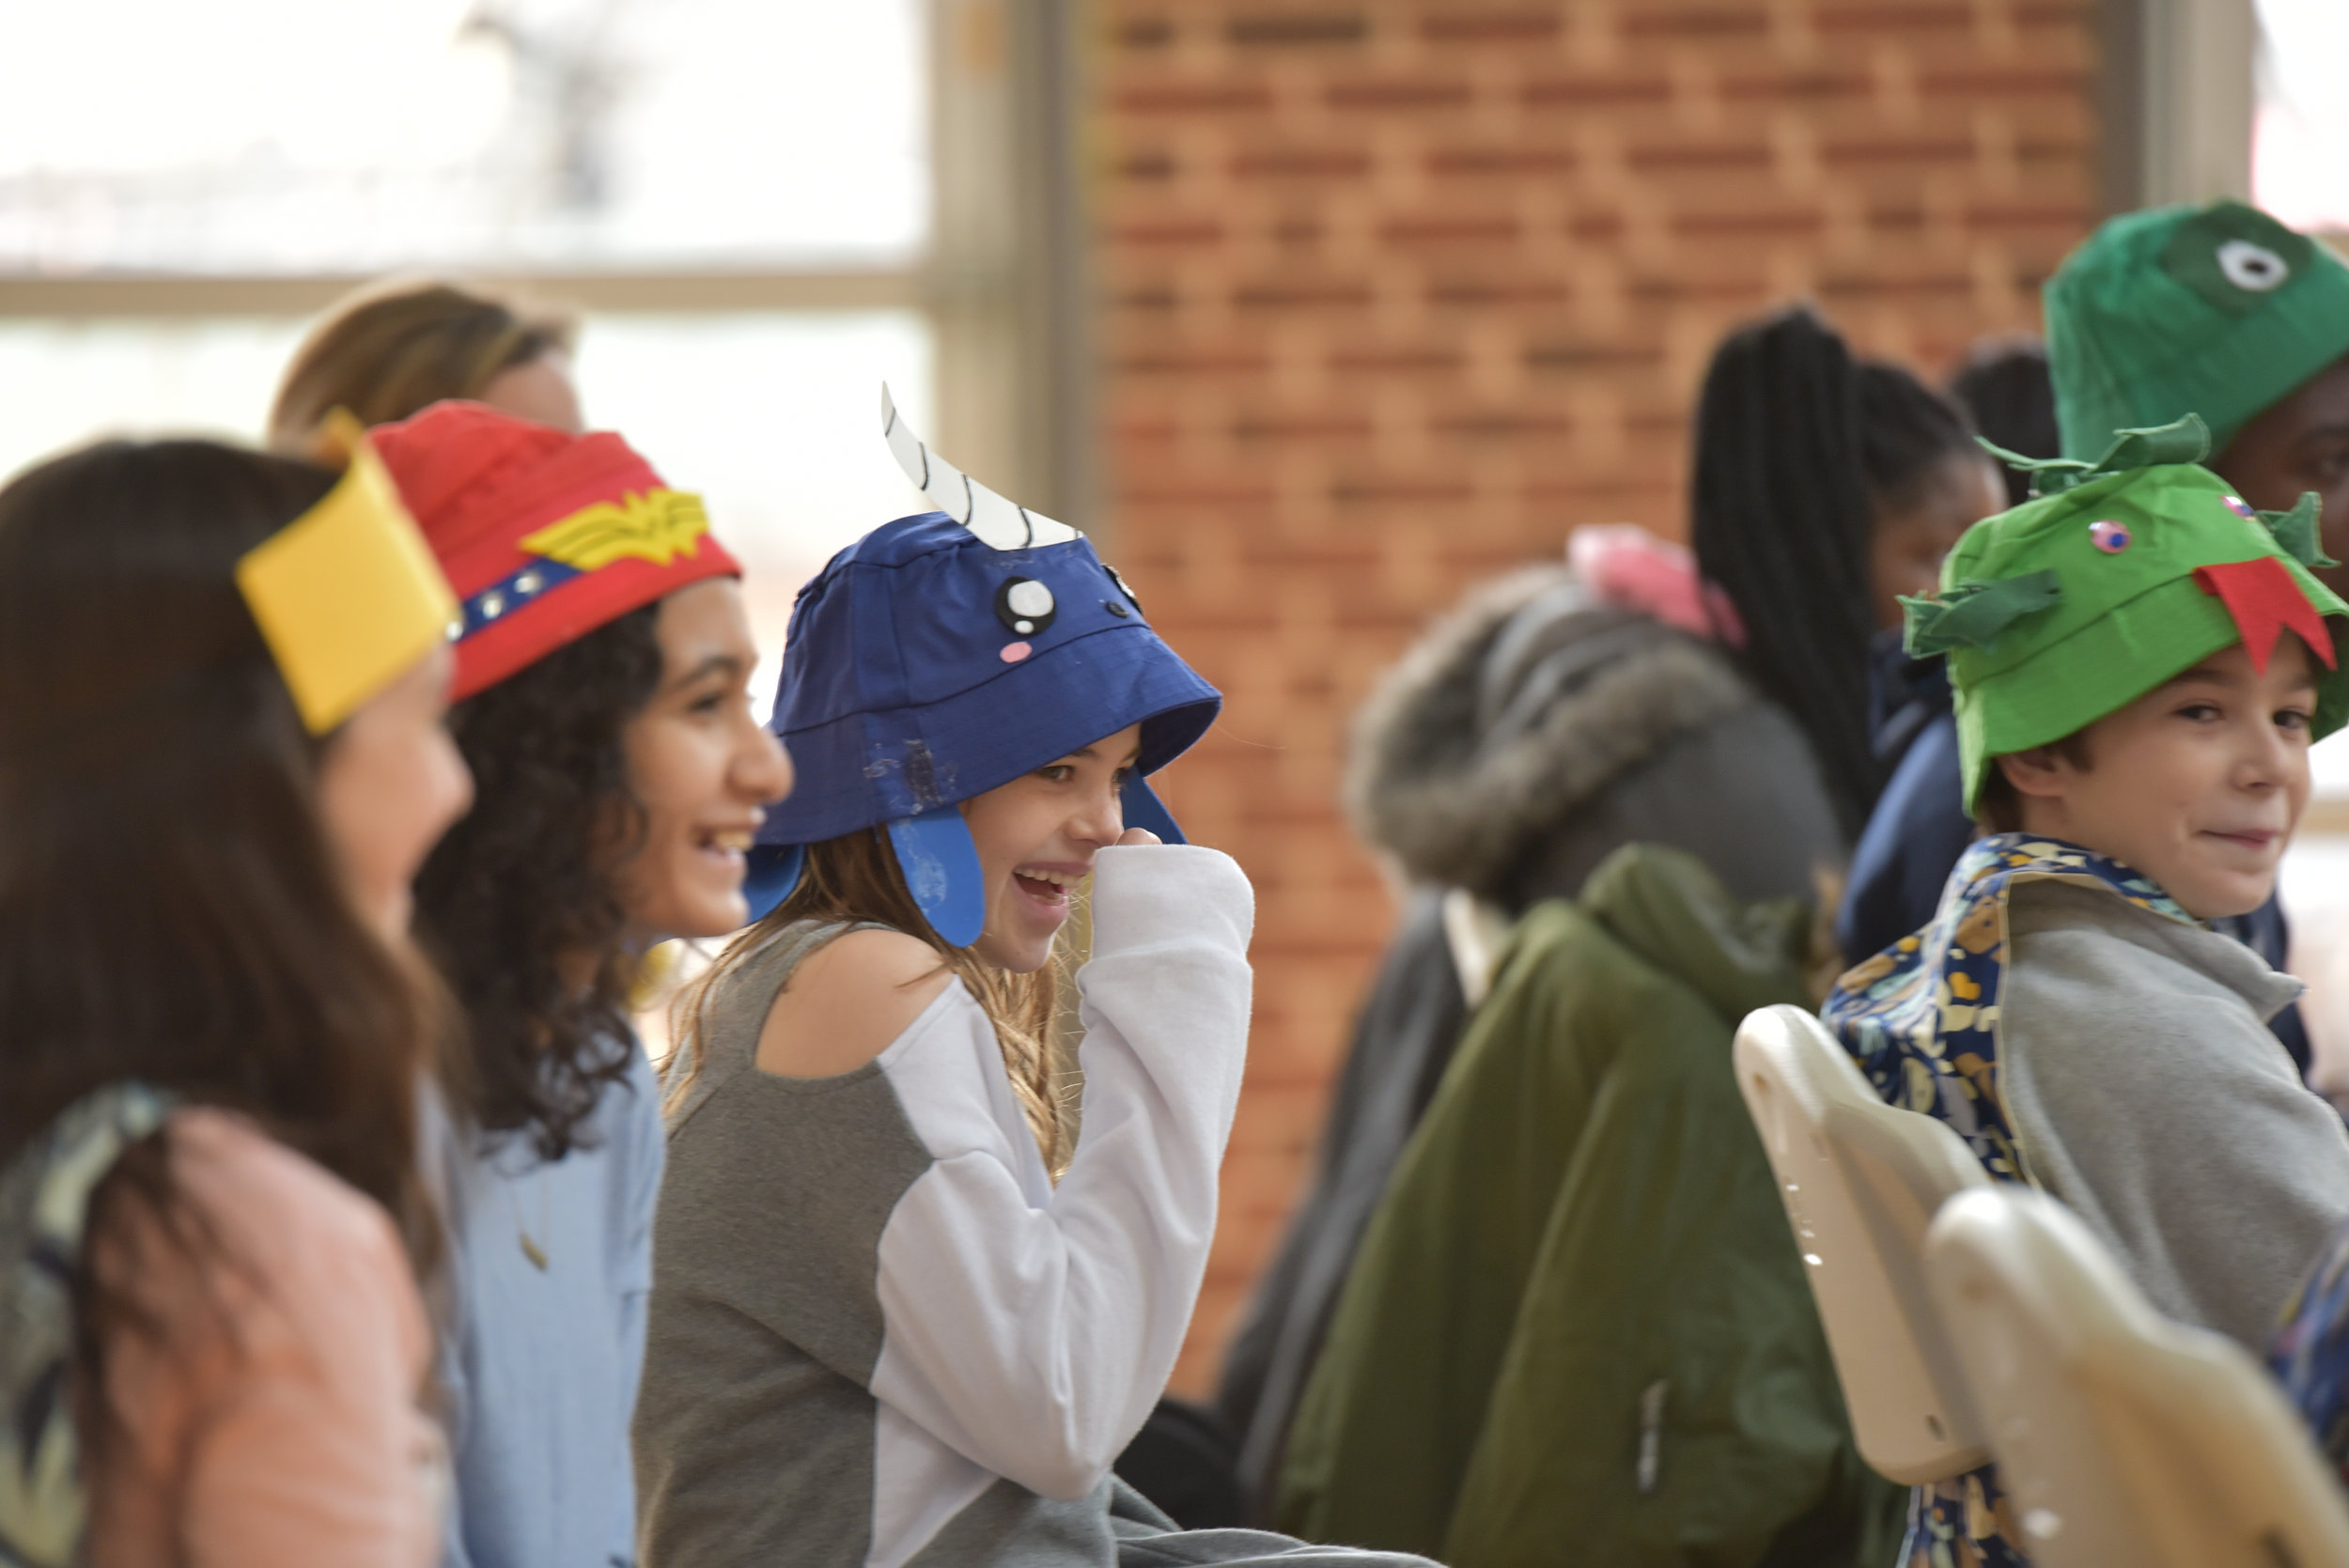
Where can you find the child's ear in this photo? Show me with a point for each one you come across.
(2041, 772)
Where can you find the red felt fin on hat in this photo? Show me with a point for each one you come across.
(2266, 603)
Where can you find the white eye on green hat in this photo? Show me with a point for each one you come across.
(2219, 311)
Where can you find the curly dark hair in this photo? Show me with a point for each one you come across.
(523, 893)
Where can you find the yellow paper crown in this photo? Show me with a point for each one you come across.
(347, 595)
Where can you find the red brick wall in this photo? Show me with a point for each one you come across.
(1394, 294)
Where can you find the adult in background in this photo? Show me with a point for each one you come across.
(1717, 705)
(394, 349)
(601, 702)
(2219, 311)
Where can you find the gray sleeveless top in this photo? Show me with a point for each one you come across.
(759, 1440)
(756, 1431)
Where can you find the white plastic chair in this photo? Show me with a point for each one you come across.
(1861, 1182)
(2121, 1437)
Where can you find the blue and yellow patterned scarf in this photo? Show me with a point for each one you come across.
(1922, 1019)
(2311, 1356)
(44, 1207)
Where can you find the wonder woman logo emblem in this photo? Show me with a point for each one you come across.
(656, 527)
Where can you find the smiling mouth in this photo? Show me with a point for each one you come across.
(730, 842)
(2257, 840)
(1049, 887)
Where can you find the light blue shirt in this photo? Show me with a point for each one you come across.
(539, 1355)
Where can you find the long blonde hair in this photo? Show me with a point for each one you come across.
(856, 877)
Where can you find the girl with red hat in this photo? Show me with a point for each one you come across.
(602, 700)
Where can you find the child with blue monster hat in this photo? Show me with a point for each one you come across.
(901, 1313)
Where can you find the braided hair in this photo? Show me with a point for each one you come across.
(1797, 446)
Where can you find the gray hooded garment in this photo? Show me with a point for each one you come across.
(1522, 742)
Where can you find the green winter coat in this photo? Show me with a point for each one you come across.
(1578, 1332)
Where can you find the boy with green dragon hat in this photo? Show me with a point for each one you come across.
(2139, 660)
(2217, 310)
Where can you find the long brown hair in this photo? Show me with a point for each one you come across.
(171, 907)
(391, 350)
(856, 877)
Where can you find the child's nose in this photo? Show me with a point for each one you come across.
(2266, 761)
(762, 768)
(1101, 821)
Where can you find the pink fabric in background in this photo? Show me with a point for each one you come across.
(1626, 565)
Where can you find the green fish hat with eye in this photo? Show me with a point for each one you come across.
(2114, 577)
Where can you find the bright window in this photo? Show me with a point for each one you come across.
(2300, 137)
(773, 416)
(739, 190)
(260, 137)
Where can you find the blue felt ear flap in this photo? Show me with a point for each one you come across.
(942, 870)
(771, 875)
(1143, 809)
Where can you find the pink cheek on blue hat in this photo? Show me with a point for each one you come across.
(1014, 652)
(2241, 508)
(2111, 537)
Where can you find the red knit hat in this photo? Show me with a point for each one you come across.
(545, 537)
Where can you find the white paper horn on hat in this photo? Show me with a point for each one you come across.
(1002, 523)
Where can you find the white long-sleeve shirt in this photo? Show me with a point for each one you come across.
(879, 1334)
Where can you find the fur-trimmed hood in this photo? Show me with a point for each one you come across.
(1516, 710)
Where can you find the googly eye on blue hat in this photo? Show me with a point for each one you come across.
(946, 654)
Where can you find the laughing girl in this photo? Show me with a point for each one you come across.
(600, 703)
(903, 1312)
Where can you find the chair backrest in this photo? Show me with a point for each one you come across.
(1861, 1182)
(2121, 1437)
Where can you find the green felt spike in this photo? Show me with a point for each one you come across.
(1975, 614)
(2299, 532)
(2064, 472)
(2183, 441)
(2187, 440)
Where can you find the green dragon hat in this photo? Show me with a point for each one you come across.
(2116, 576)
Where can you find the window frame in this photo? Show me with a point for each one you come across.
(1000, 280)
(2180, 96)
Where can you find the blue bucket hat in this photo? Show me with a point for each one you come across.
(948, 653)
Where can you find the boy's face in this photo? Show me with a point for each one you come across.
(2197, 785)
(2297, 445)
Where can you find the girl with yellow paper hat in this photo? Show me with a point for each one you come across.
(221, 761)
(601, 701)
